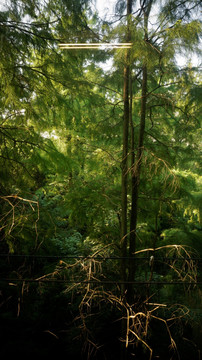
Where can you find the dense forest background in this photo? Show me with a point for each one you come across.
(100, 182)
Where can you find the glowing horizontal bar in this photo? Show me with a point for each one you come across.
(97, 44)
(93, 47)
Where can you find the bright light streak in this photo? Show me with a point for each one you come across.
(96, 45)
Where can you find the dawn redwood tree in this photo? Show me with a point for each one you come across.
(153, 53)
(40, 87)
(41, 93)
(124, 165)
(33, 73)
(136, 166)
(148, 117)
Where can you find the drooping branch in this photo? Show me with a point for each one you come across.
(12, 216)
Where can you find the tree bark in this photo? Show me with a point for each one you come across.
(124, 202)
(136, 168)
(135, 180)
(124, 187)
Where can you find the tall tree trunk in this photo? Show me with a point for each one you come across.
(135, 180)
(124, 188)
(124, 202)
(136, 168)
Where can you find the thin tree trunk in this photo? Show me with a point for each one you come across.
(124, 174)
(124, 202)
(136, 169)
(135, 180)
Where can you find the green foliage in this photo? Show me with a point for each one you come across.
(61, 117)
